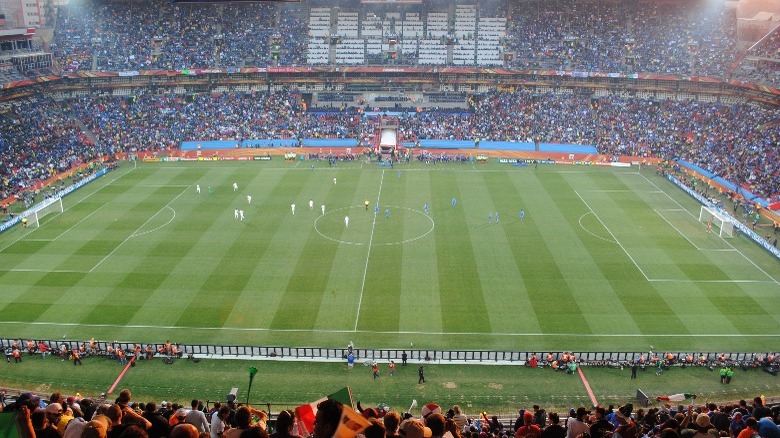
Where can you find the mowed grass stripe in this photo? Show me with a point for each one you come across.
(311, 256)
(380, 307)
(593, 293)
(647, 308)
(460, 291)
(417, 301)
(552, 299)
(497, 247)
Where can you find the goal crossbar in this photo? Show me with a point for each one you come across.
(719, 219)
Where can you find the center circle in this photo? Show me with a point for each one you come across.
(392, 225)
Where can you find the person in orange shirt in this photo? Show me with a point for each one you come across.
(17, 356)
(180, 416)
(750, 430)
(392, 368)
(375, 370)
(76, 358)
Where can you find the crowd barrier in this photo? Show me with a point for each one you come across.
(485, 357)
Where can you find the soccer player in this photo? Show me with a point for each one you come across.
(248, 199)
(346, 221)
(24, 222)
(522, 214)
(496, 217)
(235, 186)
(323, 208)
(311, 204)
(490, 217)
(241, 215)
(453, 202)
(366, 203)
(376, 208)
(235, 214)
(425, 208)
(334, 180)
(292, 207)
(709, 226)
(387, 213)
(210, 190)
(197, 188)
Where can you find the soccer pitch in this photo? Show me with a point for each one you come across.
(605, 259)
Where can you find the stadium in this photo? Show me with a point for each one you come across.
(529, 201)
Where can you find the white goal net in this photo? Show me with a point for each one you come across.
(34, 215)
(721, 222)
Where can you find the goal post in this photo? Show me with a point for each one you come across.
(719, 219)
(35, 214)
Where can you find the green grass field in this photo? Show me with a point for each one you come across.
(605, 259)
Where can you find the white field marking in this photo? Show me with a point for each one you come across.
(677, 280)
(161, 226)
(774, 280)
(671, 209)
(613, 236)
(623, 191)
(136, 231)
(590, 232)
(66, 209)
(398, 242)
(79, 222)
(404, 332)
(67, 271)
(157, 186)
(368, 253)
(678, 230)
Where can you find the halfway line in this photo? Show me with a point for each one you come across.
(368, 254)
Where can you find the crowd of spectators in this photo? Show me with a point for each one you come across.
(734, 141)
(38, 141)
(79, 417)
(595, 36)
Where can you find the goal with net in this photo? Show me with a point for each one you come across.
(35, 214)
(720, 220)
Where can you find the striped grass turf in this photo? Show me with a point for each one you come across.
(605, 259)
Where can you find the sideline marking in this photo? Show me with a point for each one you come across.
(587, 387)
(121, 375)
(404, 332)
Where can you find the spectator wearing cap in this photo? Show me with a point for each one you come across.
(392, 422)
(626, 427)
(42, 420)
(54, 414)
(97, 428)
(576, 426)
(178, 416)
(554, 428)
(412, 428)
(529, 429)
(197, 418)
(160, 427)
